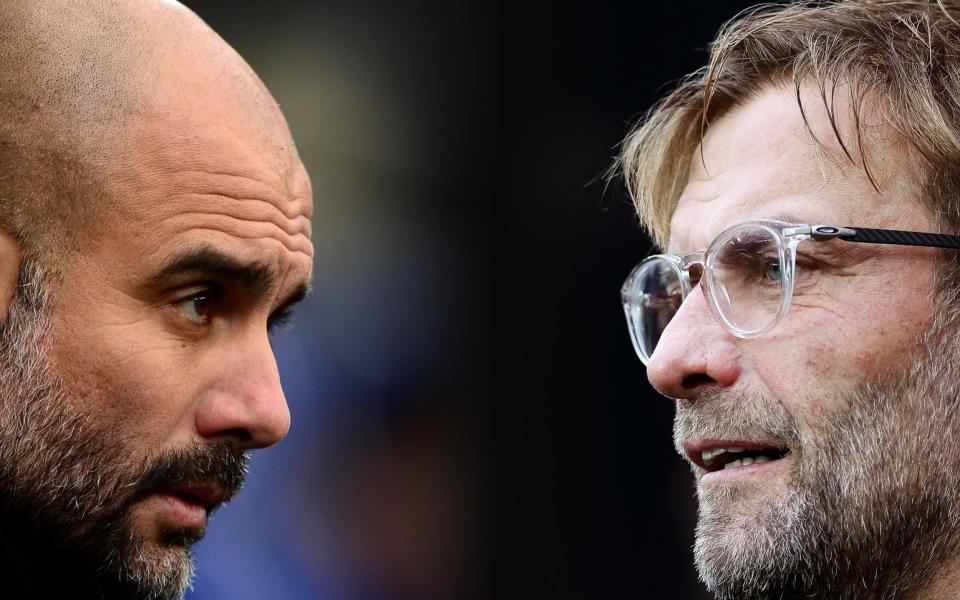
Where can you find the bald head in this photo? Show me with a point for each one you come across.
(80, 78)
(67, 62)
(155, 211)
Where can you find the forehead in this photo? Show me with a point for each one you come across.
(191, 154)
(186, 182)
(763, 160)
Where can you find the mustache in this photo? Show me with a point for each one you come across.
(723, 414)
(219, 463)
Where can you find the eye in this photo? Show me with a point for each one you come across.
(197, 307)
(772, 271)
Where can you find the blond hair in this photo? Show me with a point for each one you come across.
(906, 54)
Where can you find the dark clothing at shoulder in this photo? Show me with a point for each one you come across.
(29, 573)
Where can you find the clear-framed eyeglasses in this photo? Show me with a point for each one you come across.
(747, 276)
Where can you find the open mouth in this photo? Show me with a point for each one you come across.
(716, 457)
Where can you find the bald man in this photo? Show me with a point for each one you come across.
(154, 223)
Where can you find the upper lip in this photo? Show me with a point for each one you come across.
(207, 493)
(694, 448)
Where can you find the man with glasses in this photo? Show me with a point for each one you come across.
(804, 188)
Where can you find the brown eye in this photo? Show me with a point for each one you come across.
(197, 307)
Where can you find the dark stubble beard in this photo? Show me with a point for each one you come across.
(871, 504)
(73, 477)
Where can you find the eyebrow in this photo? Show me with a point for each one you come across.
(206, 261)
(788, 217)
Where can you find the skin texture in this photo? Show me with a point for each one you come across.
(856, 381)
(157, 367)
(176, 382)
(10, 261)
(761, 163)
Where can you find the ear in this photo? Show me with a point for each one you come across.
(11, 257)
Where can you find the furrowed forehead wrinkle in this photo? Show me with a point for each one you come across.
(216, 168)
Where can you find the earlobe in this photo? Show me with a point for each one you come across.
(11, 257)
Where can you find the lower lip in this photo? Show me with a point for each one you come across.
(186, 513)
(754, 470)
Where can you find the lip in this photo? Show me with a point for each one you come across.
(694, 451)
(754, 470)
(184, 512)
(209, 495)
(189, 504)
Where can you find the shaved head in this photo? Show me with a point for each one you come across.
(134, 381)
(77, 78)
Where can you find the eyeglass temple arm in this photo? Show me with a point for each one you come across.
(885, 236)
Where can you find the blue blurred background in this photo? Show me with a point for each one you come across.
(469, 420)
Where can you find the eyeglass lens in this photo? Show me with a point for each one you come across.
(747, 277)
(658, 295)
(744, 280)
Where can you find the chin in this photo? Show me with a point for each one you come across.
(743, 531)
(152, 559)
(153, 571)
(744, 501)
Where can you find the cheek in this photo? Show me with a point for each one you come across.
(128, 377)
(825, 352)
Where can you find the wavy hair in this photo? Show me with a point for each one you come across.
(900, 57)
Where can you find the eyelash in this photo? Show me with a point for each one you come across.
(279, 320)
(209, 295)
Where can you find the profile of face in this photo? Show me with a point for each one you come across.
(849, 399)
(138, 377)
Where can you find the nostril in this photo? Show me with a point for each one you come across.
(237, 433)
(696, 380)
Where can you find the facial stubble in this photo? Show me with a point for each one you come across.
(869, 506)
(76, 479)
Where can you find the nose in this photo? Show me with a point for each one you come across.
(246, 405)
(694, 352)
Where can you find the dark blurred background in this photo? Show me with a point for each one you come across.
(470, 420)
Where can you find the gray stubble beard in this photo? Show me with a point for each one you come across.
(69, 474)
(870, 505)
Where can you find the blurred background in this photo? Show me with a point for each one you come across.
(470, 420)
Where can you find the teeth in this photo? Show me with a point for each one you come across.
(709, 455)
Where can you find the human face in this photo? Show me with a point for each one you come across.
(822, 365)
(159, 319)
(69, 483)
